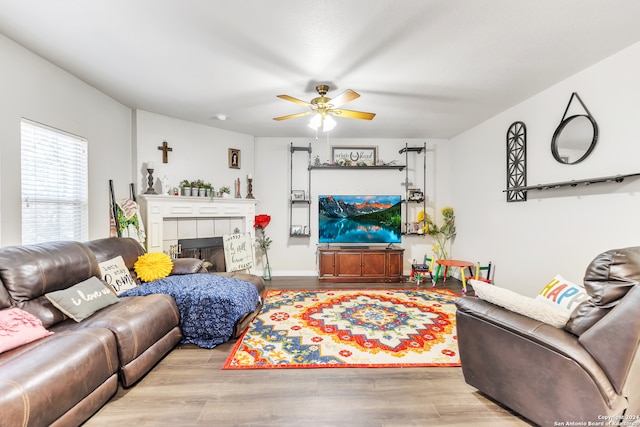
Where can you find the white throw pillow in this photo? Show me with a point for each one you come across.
(116, 274)
(542, 311)
(563, 293)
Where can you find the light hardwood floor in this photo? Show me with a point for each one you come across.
(188, 388)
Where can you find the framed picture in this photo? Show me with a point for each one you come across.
(234, 158)
(354, 156)
(416, 194)
(413, 227)
(297, 195)
(296, 229)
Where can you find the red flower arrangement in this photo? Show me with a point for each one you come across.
(261, 221)
(262, 241)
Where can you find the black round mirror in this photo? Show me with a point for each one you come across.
(574, 139)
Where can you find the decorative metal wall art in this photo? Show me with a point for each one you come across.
(516, 162)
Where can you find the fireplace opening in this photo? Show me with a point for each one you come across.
(208, 249)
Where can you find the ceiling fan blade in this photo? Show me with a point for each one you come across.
(293, 116)
(346, 96)
(296, 100)
(350, 114)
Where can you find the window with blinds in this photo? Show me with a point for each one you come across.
(54, 185)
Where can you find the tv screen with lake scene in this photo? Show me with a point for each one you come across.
(359, 219)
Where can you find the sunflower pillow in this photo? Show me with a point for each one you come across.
(153, 266)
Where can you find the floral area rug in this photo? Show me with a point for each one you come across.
(349, 329)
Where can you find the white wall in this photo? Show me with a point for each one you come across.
(561, 230)
(37, 90)
(297, 255)
(555, 231)
(199, 152)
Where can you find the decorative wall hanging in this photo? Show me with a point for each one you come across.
(354, 156)
(575, 137)
(234, 158)
(165, 151)
(516, 161)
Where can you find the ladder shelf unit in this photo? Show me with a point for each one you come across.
(300, 198)
(414, 197)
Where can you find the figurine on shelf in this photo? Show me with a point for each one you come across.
(165, 185)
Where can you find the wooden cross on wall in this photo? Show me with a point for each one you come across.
(165, 151)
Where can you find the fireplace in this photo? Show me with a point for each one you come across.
(208, 249)
(203, 218)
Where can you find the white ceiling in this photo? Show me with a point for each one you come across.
(427, 68)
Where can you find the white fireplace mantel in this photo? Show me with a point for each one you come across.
(155, 208)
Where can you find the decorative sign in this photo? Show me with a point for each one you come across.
(238, 251)
(354, 155)
(116, 274)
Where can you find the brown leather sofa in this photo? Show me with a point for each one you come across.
(64, 378)
(586, 372)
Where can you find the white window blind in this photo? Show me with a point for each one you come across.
(54, 185)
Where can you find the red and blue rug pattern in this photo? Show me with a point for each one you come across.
(350, 328)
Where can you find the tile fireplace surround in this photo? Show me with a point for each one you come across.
(169, 218)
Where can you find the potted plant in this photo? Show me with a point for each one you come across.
(186, 187)
(194, 188)
(226, 191)
(209, 189)
(202, 190)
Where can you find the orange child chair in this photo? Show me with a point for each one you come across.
(478, 274)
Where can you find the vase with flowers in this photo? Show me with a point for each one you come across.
(443, 234)
(262, 241)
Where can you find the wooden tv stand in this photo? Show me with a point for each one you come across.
(361, 264)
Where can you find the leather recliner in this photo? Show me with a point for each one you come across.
(588, 371)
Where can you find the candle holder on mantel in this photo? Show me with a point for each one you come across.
(250, 188)
(150, 190)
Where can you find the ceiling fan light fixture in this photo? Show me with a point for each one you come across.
(322, 122)
(322, 106)
(328, 123)
(315, 122)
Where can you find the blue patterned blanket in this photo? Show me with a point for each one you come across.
(209, 304)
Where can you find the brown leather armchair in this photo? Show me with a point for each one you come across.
(589, 371)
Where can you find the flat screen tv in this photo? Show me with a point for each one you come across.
(359, 219)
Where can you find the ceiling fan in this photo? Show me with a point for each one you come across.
(322, 106)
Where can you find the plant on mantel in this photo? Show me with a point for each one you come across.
(187, 186)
